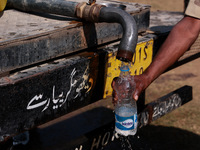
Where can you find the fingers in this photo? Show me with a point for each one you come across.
(136, 95)
(139, 87)
(114, 97)
(113, 82)
(136, 81)
(114, 94)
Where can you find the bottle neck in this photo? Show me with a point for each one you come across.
(124, 73)
(124, 68)
(126, 101)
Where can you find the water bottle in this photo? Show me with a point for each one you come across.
(126, 108)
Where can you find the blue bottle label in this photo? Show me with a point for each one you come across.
(125, 123)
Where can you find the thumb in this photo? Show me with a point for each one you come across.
(135, 97)
(136, 94)
(113, 82)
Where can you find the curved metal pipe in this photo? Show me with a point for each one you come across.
(130, 32)
(93, 13)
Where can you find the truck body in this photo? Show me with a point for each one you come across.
(56, 74)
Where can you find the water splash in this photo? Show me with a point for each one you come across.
(128, 143)
(125, 143)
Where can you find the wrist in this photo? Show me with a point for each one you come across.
(147, 79)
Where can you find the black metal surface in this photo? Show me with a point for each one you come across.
(164, 105)
(94, 129)
(42, 93)
(130, 32)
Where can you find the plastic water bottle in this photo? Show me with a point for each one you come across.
(126, 108)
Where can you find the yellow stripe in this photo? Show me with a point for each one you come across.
(2, 4)
(141, 60)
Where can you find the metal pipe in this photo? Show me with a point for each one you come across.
(93, 13)
(59, 7)
(130, 33)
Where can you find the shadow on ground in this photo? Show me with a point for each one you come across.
(170, 138)
(147, 138)
(159, 138)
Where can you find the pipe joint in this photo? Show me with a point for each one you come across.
(88, 12)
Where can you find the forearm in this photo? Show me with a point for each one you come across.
(179, 40)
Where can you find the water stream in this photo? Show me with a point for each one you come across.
(128, 143)
(125, 143)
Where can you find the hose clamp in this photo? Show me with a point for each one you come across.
(88, 12)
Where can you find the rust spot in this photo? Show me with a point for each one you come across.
(124, 55)
(78, 24)
(8, 79)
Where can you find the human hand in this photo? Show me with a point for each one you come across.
(140, 82)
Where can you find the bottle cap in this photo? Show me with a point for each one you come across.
(124, 68)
